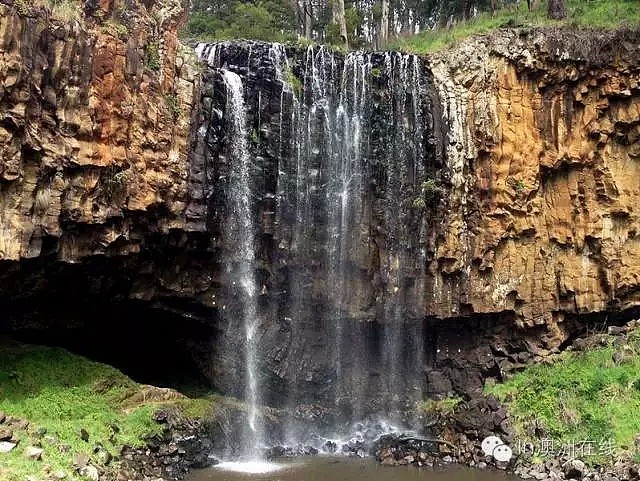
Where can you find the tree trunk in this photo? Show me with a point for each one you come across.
(384, 24)
(339, 18)
(557, 9)
(299, 13)
(308, 18)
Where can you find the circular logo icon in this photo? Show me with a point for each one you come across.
(493, 446)
(502, 453)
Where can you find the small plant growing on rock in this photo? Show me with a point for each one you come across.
(442, 407)
(114, 181)
(517, 185)
(116, 29)
(66, 10)
(153, 56)
(173, 105)
(22, 7)
(419, 203)
(293, 81)
(430, 193)
(431, 189)
(376, 72)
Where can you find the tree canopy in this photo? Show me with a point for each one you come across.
(376, 23)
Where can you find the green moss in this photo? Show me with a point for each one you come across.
(153, 56)
(114, 28)
(64, 393)
(580, 397)
(293, 81)
(173, 105)
(430, 193)
(419, 203)
(594, 13)
(440, 406)
(517, 185)
(22, 7)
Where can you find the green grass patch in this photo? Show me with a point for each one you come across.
(443, 407)
(593, 13)
(64, 393)
(580, 397)
(294, 82)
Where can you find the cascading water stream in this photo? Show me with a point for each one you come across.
(240, 243)
(344, 199)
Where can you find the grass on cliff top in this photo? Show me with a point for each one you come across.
(583, 396)
(587, 13)
(64, 393)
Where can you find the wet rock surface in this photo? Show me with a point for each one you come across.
(185, 444)
(458, 436)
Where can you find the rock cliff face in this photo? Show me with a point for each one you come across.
(95, 128)
(543, 152)
(482, 210)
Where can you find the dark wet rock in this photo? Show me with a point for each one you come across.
(574, 469)
(290, 451)
(184, 444)
(330, 447)
(398, 450)
(438, 383)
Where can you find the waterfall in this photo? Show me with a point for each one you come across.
(323, 211)
(344, 200)
(404, 173)
(240, 244)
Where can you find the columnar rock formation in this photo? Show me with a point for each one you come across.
(543, 150)
(95, 128)
(493, 188)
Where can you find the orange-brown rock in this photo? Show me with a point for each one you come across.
(544, 152)
(95, 126)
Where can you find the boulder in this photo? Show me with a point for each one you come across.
(5, 433)
(34, 453)
(574, 468)
(7, 447)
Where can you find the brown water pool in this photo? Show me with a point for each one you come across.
(328, 468)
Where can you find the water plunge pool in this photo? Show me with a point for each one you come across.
(335, 468)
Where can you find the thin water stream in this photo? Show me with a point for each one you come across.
(240, 245)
